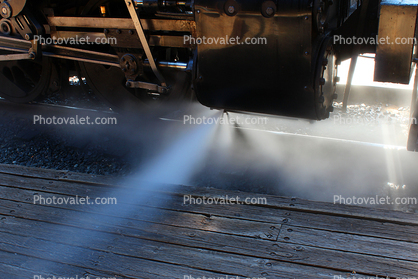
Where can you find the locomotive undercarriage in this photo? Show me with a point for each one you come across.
(150, 61)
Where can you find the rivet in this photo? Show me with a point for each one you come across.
(269, 11)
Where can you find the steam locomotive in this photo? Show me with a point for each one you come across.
(275, 57)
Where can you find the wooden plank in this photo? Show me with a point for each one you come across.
(19, 266)
(261, 230)
(152, 232)
(350, 243)
(56, 255)
(294, 204)
(270, 215)
(283, 252)
(307, 255)
(12, 272)
(210, 263)
(55, 232)
(297, 204)
(58, 175)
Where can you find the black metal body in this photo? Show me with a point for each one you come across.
(273, 78)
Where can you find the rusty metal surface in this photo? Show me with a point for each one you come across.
(122, 23)
(393, 59)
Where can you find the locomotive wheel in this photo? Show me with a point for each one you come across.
(23, 81)
(325, 80)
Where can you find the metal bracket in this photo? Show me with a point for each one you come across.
(36, 49)
(143, 39)
(355, 52)
(148, 86)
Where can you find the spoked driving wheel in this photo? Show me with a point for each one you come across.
(24, 80)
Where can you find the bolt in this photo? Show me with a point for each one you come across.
(269, 11)
(321, 81)
(231, 9)
(131, 32)
(299, 248)
(306, 17)
(106, 31)
(32, 55)
(306, 53)
(198, 11)
(4, 11)
(118, 31)
(28, 37)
